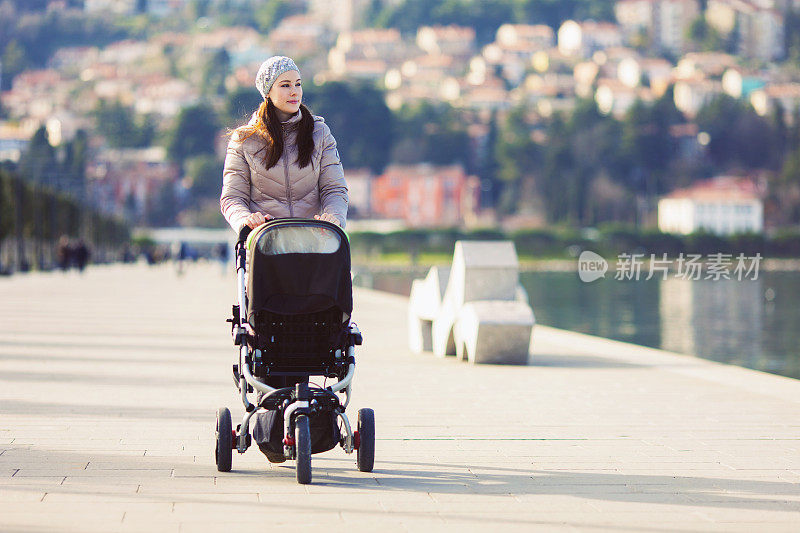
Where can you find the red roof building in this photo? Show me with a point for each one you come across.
(426, 195)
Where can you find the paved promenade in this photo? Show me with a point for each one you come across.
(109, 383)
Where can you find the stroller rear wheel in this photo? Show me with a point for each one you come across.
(365, 456)
(302, 439)
(224, 448)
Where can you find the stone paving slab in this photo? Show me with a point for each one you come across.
(109, 382)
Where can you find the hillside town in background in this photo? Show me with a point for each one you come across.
(573, 121)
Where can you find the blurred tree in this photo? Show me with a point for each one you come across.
(785, 189)
(205, 173)
(431, 133)
(240, 105)
(791, 35)
(359, 119)
(14, 61)
(162, 210)
(517, 157)
(7, 212)
(647, 146)
(739, 137)
(121, 127)
(38, 161)
(74, 165)
(194, 133)
(703, 37)
(580, 150)
(215, 72)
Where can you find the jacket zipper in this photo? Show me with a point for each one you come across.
(286, 174)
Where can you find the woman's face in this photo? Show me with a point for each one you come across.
(287, 92)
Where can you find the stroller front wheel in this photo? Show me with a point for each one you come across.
(224, 446)
(365, 456)
(302, 439)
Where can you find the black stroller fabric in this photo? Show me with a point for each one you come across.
(268, 431)
(288, 283)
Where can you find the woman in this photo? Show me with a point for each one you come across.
(284, 162)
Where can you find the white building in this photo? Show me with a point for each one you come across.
(691, 95)
(786, 95)
(585, 38)
(635, 16)
(673, 19)
(162, 8)
(339, 15)
(122, 7)
(664, 21)
(531, 37)
(359, 191)
(724, 205)
(760, 26)
(451, 40)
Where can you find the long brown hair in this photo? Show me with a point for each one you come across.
(268, 126)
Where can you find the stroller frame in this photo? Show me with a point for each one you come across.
(301, 399)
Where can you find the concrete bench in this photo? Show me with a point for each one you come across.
(477, 310)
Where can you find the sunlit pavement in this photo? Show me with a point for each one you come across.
(109, 382)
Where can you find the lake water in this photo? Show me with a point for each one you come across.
(751, 323)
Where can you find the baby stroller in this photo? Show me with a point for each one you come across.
(292, 323)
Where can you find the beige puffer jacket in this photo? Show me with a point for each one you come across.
(285, 190)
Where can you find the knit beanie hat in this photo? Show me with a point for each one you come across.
(270, 70)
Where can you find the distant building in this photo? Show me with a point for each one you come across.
(635, 17)
(298, 36)
(125, 181)
(691, 95)
(366, 54)
(584, 38)
(359, 193)
(724, 205)
(13, 141)
(663, 22)
(785, 95)
(339, 15)
(699, 65)
(426, 195)
(451, 40)
(673, 18)
(615, 97)
(164, 96)
(759, 26)
(162, 8)
(122, 7)
(525, 36)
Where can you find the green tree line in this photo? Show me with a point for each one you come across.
(36, 217)
(565, 242)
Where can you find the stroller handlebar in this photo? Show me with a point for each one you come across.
(244, 232)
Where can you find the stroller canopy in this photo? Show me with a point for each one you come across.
(298, 266)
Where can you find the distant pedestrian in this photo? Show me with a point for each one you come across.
(181, 255)
(64, 253)
(222, 255)
(82, 255)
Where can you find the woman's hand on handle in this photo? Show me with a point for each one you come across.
(256, 219)
(327, 217)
